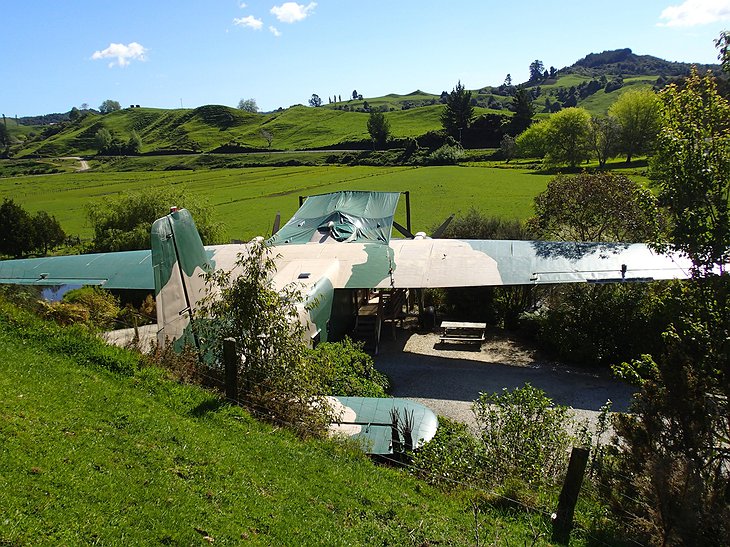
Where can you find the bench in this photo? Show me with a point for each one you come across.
(461, 331)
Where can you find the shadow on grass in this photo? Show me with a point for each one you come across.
(207, 406)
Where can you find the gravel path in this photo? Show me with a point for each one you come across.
(448, 378)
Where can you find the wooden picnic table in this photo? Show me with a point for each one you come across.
(462, 331)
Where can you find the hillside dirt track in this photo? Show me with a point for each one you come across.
(448, 378)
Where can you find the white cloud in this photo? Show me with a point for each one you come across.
(274, 31)
(249, 21)
(123, 54)
(695, 12)
(291, 12)
(242, 5)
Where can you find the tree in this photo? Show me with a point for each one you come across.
(84, 106)
(536, 69)
(595, 207)
(692, 169)
(47, 232)
(278, 381)
(567, 136)
(4, 136)
(134, 144)
(532, 142)
(103, 139)
(315, 101)
(109, 106)
(378, 128)
(268, 136)
(354, 94)
(507, 81)
(508, 147)
(458, 112)
(123, 223)
(248, 105)
(604, 138)
(523, 110)
(16, 229)
(673, 455)
(74, 114)
(723, 46)
(637, 112)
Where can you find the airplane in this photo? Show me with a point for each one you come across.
(338, 248)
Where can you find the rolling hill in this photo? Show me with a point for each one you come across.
(594, 82)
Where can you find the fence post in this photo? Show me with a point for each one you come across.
(231, 369)
(563, 517)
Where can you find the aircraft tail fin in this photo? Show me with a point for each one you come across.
(179, 262)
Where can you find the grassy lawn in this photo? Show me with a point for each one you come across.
(247, 200)
(130, 458)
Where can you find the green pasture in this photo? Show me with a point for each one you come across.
(247, 200)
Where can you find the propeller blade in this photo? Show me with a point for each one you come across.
(403, 230)
(277, 223)
(441, 229)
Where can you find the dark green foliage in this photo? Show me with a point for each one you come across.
(522, 443)
(595, 207)
(458, 112)
(16, 229)
(523, 110)
(347, 370)
(671, 471)
(378, 128)
(123, 223)
(624, 61)
(602, 324)
(672, 455)
(536, 68)
(47, 232)
(4, 137)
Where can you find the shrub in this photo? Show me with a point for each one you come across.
(102, 307)
(347, 370)
(603, 324)
(523, 435)
(453, 456)
(445, 155)
(277, 381)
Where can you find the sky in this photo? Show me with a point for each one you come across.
(168, 54)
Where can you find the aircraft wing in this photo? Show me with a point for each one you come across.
(120, 270)
(369, 421)
(441, 263)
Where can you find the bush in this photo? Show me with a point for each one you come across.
(102, 307)
(347, 370)
(453, 456)
(603, 324)
(523, 435)
(445, 155)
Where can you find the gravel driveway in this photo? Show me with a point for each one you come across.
(448, 378)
